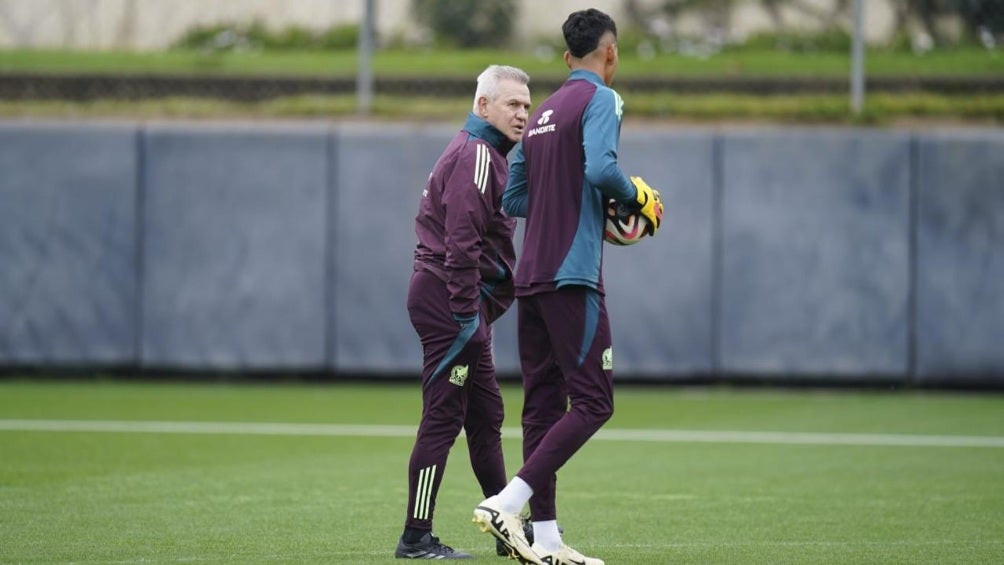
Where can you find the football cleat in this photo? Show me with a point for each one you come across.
(428, 548)
(500, 547)
(564, 556)
(507, 527)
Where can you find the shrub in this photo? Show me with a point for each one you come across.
(463, 23)
(834, 40)
(231, 36)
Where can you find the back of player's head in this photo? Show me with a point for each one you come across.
(584, 29)
(488, 81)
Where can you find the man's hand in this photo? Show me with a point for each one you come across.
(649, 203)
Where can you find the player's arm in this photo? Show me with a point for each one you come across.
(601, 124)
(514, 198)
(464, 202)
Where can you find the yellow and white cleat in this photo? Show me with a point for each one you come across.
(507, 527)
(564, 556)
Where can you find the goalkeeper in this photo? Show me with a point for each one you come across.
(560, 178)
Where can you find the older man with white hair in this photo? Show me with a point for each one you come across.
(462, 282)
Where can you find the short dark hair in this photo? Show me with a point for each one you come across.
(583, 30)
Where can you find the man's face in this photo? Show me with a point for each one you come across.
(509, 111)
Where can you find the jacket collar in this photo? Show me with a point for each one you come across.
(481, 129)
(583, 74)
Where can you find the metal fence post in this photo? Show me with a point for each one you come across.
(858, 59)
(364, 76)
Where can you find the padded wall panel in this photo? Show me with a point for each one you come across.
(241, 247)
(815, 265)
(234, 251)
(960, 256)
(381, 172)
(659, 291)
(67, 245)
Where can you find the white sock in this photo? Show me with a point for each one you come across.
(546, 535)
(515, 495)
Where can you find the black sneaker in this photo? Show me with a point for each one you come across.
(500, 547)
(428, 548)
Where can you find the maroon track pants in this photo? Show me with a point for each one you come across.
(567, 363)
(461, 393)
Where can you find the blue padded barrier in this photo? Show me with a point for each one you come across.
(660, 290)
(833, 254)
(381, 171)
(234, 250)
(960, 256)
(67, 244)
(815, 253)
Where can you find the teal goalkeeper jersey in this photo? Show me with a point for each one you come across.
(561, 175)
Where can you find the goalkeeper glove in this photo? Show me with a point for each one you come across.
(649, 203)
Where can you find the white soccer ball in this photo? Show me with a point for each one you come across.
(624, 224)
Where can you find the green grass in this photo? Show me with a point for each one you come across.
(800, 109)
(467, 63)
(794, 108)
(89, 497)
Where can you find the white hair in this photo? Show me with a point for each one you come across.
(488, 81)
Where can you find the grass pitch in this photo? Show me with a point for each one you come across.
(898, 108)
(113, 472)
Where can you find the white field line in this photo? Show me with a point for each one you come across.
(369, 430)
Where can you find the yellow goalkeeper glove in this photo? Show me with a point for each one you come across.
(649, 202)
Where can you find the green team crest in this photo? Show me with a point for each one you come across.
(608, 359)
(458, 375)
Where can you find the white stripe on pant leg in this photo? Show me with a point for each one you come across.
(422, 506)
(428, 492)
(426, 478)
(419, 494)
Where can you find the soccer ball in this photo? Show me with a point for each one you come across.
(624, 224)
